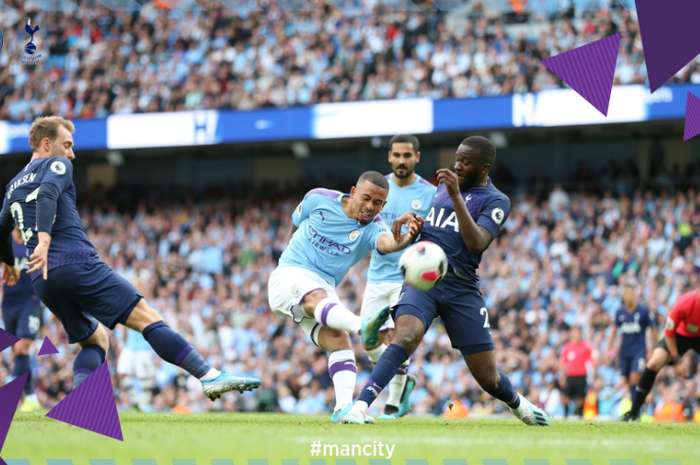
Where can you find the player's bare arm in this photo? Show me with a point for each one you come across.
(612, 346)
(389, 243)
(476, 238)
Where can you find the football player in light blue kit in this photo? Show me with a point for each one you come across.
(407, 192)
(331, 232)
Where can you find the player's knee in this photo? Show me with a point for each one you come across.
(658, 360)
(487, 380)
(312, 300)
(142, 316)
(98, 338)
(22, 347)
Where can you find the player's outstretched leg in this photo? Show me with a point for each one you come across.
(173, 348)
(483, 367)
(407, 336)
(659, 359)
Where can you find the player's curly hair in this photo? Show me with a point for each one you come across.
(486, 148)
(47, 126)
(375, 177)
(413, 140)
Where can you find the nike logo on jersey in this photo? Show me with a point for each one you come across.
(467, 198)
(323, 218)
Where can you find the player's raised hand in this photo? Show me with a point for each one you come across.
(416, 226)
(450, 180)
(410, 219)
(10, 274)
(39, 260)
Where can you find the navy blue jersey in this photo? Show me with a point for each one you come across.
(633, 327)
(21, 295)
(487, 205)
(69, 243)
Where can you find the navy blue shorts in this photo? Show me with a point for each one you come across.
(24, 322)
(632, 362)
(461, 307)
(81, 295)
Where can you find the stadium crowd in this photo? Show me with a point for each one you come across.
(98, 62)
(203, 260)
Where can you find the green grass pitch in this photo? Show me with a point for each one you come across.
(242, 436)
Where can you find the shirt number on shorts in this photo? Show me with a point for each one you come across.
(34, 324)
(485, 312)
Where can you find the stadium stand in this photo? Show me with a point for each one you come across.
(100, 62)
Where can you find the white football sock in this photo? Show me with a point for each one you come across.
(211, 374)
(343, 372)
(334, 315)
(397, 384)
(375, 353)
(360, 406)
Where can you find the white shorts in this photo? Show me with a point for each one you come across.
(378, 296)
(287, 289)
(138, 363)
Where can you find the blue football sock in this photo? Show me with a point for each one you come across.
(22, 366)
(388, 364)
(88, 360)
(172, 348)
(506, 392)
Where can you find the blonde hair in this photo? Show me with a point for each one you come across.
(47, 126)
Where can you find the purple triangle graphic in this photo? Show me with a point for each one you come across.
(47, 348)
(91, 406)
(589, 70)
(9, 399)
(6, 339)
(669, 37)
(692, 117)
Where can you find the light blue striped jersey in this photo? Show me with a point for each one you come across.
(327, 242)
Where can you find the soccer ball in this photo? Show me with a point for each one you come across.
(423, 265)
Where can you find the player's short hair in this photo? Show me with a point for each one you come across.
(47, 126)
(413, 140)
(484, 146)
(375, 177)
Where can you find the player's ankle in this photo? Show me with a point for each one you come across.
(360, 406)
(390, 409)
(213, 373)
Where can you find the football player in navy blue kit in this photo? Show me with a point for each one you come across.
(632, 319)
(21, 314)
(69, 277)
(467, 214)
